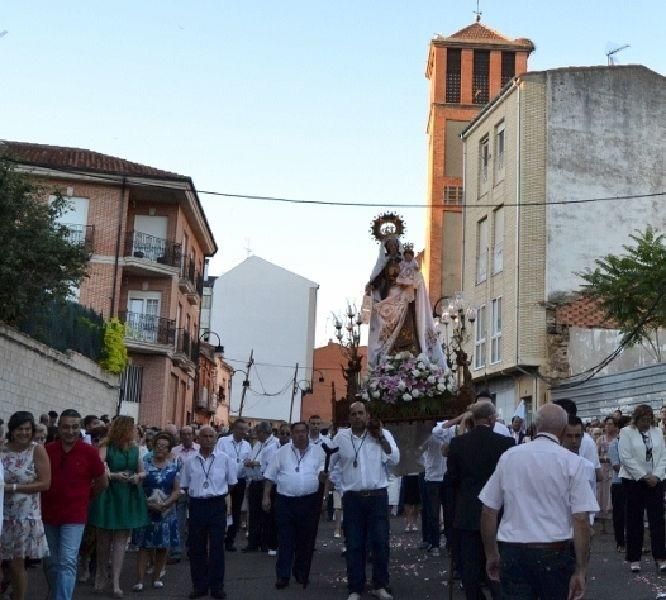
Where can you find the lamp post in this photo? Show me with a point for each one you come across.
(349, 342)
(454, 316)
(219, 349)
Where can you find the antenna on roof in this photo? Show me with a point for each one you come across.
(613, 51)
(477, 12)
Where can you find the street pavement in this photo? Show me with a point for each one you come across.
(414, 574)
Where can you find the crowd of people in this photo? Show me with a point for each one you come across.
(515, 506)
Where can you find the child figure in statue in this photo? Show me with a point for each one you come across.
(410, 272)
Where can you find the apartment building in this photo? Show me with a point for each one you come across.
(149, 238)
(548, 143)
(465, 70)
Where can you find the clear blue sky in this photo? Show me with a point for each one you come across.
(294, 98)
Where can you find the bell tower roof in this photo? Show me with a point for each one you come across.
(478, 35)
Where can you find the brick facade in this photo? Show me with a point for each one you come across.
(329, 361)
(116, 271)
(442, 261)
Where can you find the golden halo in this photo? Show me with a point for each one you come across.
(387, 225)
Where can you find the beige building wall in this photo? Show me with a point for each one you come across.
(517, 178)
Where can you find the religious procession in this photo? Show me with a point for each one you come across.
(264, 385)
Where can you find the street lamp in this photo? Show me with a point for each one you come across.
(349, 342)
(205, 336)
(454, 315)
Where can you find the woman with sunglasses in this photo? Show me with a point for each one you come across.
(642, 470)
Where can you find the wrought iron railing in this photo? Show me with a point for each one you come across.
(80, 235)
(150, 329)
(144, 245)
(188, 271)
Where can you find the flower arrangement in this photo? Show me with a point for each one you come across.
(404, 377)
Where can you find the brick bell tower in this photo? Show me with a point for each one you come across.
(465, 70)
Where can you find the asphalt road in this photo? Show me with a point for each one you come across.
(414, 574)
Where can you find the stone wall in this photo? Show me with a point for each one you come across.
(37, 378)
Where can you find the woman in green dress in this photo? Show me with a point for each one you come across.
(122, 506)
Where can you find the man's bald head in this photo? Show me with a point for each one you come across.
(358, 416)
(551, 419)
(207, 438)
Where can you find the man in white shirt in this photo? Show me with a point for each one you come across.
(314, 424)
(182, 453)
(364, 452)
(296, 470)
(588, 449)
(259, 524)
(573, 436)
(207, 477)
(546, 499)
(238, 449)
(267, 457)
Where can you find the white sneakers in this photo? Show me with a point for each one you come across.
(354, 596)
(381, 593)
(635, 567)
(272, 553)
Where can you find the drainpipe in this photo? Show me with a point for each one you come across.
(519, 173)
(116, 262)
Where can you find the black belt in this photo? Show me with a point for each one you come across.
(208, 498)
(364, 493)
(563, 545)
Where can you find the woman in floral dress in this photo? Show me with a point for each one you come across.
(27, 473)
(162, 488)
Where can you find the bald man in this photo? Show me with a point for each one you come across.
(544, 536)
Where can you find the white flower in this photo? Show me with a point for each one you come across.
(416, 393)
(430, 392)
(441, 387)
(401, 385)
(422, 357)
(441, 380)
(416, 372)
(421, 365)
(432, 379)
(406, 397)
(375, 394)
(374, 384)
(365, 396)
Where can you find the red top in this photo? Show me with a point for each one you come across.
(72, 474)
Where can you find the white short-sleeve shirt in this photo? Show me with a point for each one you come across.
(208, 477)
(540, 485)
(238, 452)
(296, 473)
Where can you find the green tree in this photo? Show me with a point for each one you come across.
(631, 287)
(37, 262)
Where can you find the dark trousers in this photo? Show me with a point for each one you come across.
(366, 522)
(271, 523)
(473, 566)
(619, 499)
(208, 519)
(432, 503)
(452, 537)
(296, 518)
(641, 497)
(528, 573)
(237, 495)
(255, 515)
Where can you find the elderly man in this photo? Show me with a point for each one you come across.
(238, 449)
(284, 434)
(296, 470)
(77, 474)
(207, 477)
(546, 499)
(471, 460)
(259, 522)
(365, 450)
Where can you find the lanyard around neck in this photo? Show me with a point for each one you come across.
(357, 450)
(299, 456)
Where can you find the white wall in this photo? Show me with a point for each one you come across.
(262, 307)
(606, 137)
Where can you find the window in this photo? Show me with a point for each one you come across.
(453, 194)
(484, 158)
(481, 77)
(498, 240)
(453, 75)
(508, 67)
(481, 250)
(499, 150)
(480, 337)
(205, 302)
(496, 331)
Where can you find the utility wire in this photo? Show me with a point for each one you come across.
(109, 178)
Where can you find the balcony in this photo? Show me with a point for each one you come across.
(80, 235)
(146, 254)
(191, 281)
(186, 353)
(148, 334)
